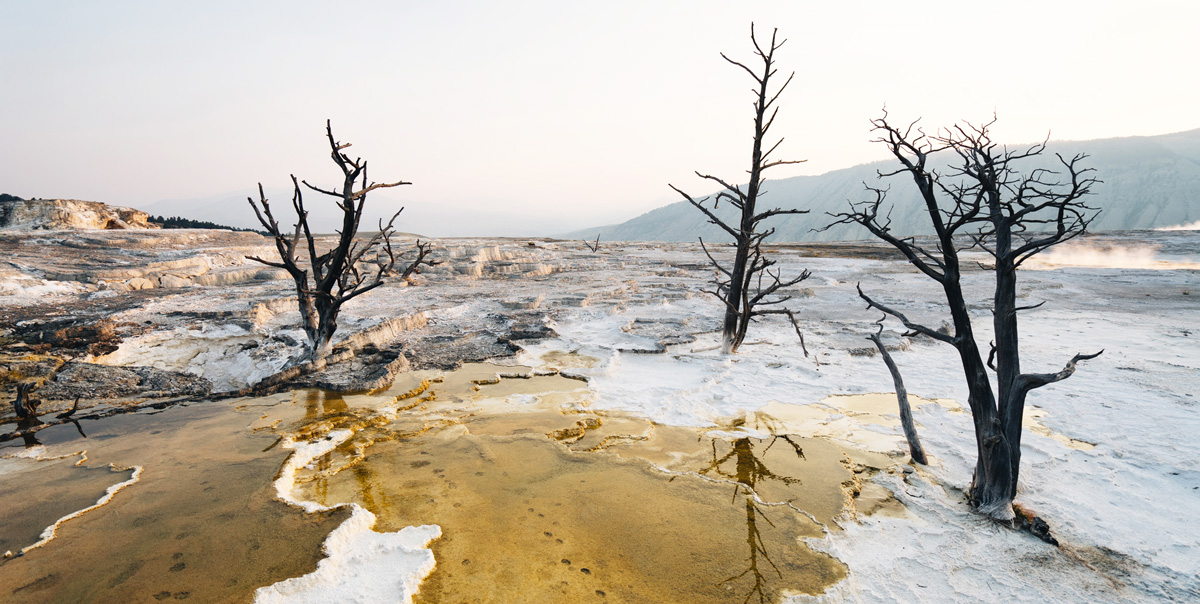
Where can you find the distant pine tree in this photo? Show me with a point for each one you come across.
(177, 222)
(7, 197)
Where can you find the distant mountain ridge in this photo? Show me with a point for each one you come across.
(433, 219)
(1147, 182)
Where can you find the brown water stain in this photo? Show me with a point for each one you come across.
(540, 498)
(812, 474)
(202, 523)
(525, 519)
(560, 359)
(544, 500)
(37, 493)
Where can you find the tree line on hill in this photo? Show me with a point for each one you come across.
(177, 222)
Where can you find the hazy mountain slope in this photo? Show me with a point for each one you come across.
(1148, 182)
(441, 220)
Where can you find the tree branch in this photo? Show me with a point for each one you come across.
(1029, 381)
(921, 329)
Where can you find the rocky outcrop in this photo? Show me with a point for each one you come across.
(58, 214)
(59, 385)
(114, 384)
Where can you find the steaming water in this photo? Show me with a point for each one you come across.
(1191, 226)
(1109, 256)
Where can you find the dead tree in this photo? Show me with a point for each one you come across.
(68, 413)
(25, 406)
(749, 286)
(906, 419)
(340, 274)
(594, 247)
(414, 268)
(986, 200)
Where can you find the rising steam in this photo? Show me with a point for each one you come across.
(1088, 255)
(1191, 226)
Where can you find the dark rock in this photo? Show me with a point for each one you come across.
(1041, 530)
(448, 352)
(91, 381)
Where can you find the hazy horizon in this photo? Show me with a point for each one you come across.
(529, 109)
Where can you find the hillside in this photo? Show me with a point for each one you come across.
(429, 219)
(43, 214)
(1148, 182)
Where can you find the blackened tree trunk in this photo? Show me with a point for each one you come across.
(748, 287)
(1013, 215)
(915, 450)
(344, 272)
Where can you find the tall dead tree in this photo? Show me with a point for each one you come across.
(344, 272)
(749, 286)
(987, 201)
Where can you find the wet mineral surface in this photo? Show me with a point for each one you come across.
(538, 498)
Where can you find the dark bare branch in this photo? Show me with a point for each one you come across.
(711, 217)
(799, 334)
(423, 251)
(1029, 381)
(738, 194)
(1030, 307)
(593, 247)
(906, 419)
(917, 327)
(778, 212)
(713, 260)
(747, 69)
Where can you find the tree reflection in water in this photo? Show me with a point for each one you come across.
(323, 404)
(30, 438)
(748, 471)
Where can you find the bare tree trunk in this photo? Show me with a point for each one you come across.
(741, 287)
(906, 419)
(732, 331)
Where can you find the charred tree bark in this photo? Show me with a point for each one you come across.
(594, 247)
(749, 286)
(1012, 215)
(414, 268)
(25, 406)
(906, 419)
(336, 276)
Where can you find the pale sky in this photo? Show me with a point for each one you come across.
(585, 110)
